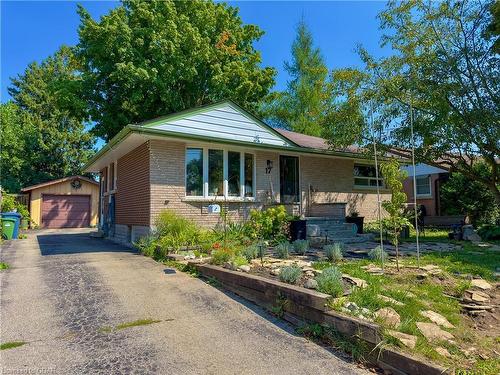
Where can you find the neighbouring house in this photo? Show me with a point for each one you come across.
(429, 180)
(222, 154)
(70, 202)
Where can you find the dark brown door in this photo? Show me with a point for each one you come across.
(65, 211)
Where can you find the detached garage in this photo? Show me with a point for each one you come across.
(70, 202)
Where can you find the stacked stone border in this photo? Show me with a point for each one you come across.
(299, 305)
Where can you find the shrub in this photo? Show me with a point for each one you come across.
(489, 232)
(9, 203)
(333, 252)
(270, 224)
(330, 282)
(378, 254)
(146, 246)
(175, 231)
(221, 256)
(283, 250)
(251, 252)
(301, 246)
(239, 260)
(290, 274)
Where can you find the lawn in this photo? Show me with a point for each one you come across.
(470, 349)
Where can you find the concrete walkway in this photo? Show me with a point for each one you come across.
(64, 289)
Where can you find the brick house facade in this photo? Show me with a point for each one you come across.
(151, 166)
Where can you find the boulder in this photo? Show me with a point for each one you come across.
(351, 306)
(389, 316)
(407, 340)
(360, 283)
(432, 332)
(245, 268)
(275, 271)
(469, 234)
(481, 284)
(443, 351)
(475, 296)
(437, 318)
(311, 284)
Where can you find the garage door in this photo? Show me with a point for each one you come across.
(65, 211)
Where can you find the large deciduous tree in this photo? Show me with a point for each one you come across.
(44, 127)
(443, 66)
(149, 58)
(301, 106)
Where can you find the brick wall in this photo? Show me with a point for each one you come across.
(332, 181)
(429, 203)
(167, 165)
(132, 198)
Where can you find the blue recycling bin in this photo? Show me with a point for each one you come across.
(17, 216)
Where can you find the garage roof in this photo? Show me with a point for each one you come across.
(53, 182)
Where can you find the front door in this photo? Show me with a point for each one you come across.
(289, 179)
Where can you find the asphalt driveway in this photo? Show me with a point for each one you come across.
(64, 291)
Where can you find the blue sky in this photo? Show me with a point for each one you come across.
(32, 30)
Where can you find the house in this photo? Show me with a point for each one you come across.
(70, 202)
(429, 180)
(222, 154)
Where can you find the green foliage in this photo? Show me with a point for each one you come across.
(147, 246)
(11, 344)
(442, 65)
(175, 231)
(270, 224)
(300, 108)
(9, 204)
(290, 274)
(467, 196)
(221, 256)
(489, 232)
(159, 57)
(397, 218)
(283, 250)
(301, 246)
(333, 252)
(47, 117)
(4, 266)
(253, 251)
(377, 254)
(239, 260)
(330, 282)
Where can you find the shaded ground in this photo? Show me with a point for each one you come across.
(64, 290)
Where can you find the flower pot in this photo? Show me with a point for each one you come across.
(358, 220)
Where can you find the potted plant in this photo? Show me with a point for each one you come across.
(354, 218)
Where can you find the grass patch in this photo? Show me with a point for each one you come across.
(135, 323)
(12, 344)
(4, 266)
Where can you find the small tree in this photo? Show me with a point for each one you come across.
(394, 177)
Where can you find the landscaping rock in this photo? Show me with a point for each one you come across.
(390, 300)
(276, 271)
(432, 332)
(474, 296)
(360, 283)
(481, 284)
(389, 316)
(245, 268)
(407, 340)
(437, 318)
(443, 351)
(365, 311)
(311, 284)
(432, 269)
(351, 306)
(469, 234)
(309, 274)
(371, 268)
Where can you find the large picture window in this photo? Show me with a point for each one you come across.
(365, 176)
(194, 172)
(222, 174)
(423, 186)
